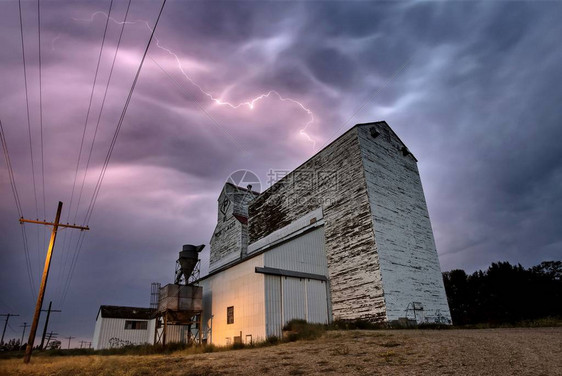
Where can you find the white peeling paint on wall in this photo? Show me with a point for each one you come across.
(365, 190)
(355, 284)
(404, 239)
(379, 243)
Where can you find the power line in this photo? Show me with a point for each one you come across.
(61, 273)
(7, 305)
(78, 248)
(18, 204)
(51, 335)
(8, 315)
(41, 109)
(27, 108)
(10, 170)
(24, 233)
(112, 146)
(56, 224)
(81, 236)
(11, 328)
(69, 338)
(120, 123)
(28, 261)
(89, 107)
(24, 326)
(41, 130)
(49, 310)
(103, 104)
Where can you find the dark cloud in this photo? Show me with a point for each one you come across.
(332, 67)
(472, 88)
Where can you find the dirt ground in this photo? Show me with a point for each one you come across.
(519, 351)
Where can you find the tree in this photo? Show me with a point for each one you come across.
(505, 293)
(54, 344)
(11, 345)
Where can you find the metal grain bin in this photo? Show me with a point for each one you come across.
(180, 298)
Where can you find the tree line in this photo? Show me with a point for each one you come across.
(505, 293)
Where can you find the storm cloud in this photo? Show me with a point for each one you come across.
(472, 88)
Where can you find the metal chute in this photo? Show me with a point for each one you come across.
(188, 258)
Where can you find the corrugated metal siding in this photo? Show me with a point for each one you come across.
(302, 254)
(179, 333)
(273, 306)
(113, 332)
(97, 330)
(294, 299)
(151, 331)
(317, 301)
(290, 298)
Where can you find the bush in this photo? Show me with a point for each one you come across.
(237, 346)
(71, 352)
(551, 321)
(434, 326)
(144, 349)
(355, 324)
(272, 340)
(300, 329)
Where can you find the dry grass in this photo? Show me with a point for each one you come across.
(529, 351)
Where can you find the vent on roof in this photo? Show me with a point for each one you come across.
(405, 151)
(374, 132)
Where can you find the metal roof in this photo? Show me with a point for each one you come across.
(119, 312)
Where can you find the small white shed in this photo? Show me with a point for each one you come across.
(118, 326)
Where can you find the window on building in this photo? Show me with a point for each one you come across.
(130, 324)
(230, 315)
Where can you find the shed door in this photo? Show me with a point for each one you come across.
(294, 299)
(316, 299)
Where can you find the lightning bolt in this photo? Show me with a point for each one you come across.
(57, 37)
(251, 103)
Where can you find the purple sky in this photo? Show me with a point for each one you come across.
(472, 88)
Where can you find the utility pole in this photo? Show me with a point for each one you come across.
(8, 315)
(47, 322)
(51, 335)
(41, 294)
(23, 334)
(69, 338)
(82, 343)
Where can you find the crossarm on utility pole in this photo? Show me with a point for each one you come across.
(47, 322)
(69, 338)
(24, 326)
(83, 228)
(8, 315)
